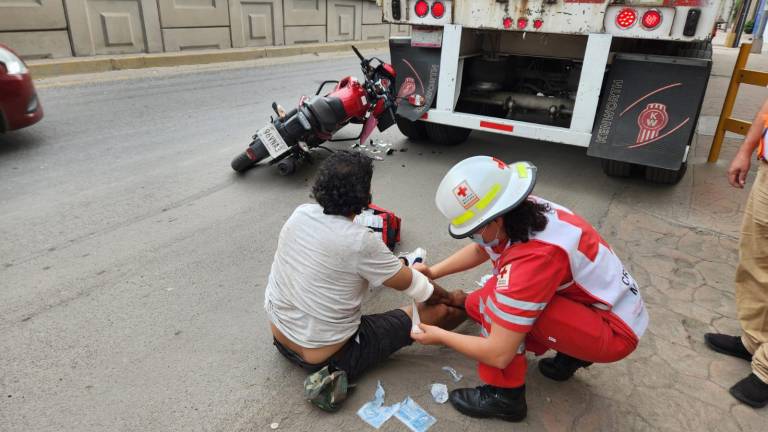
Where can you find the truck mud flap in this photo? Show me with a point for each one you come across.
(418, 70)
(649, 109)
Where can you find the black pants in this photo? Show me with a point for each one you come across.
(378, 337)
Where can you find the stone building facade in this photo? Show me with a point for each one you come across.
(64, 28)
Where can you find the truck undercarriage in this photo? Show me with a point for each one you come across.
(623, 78)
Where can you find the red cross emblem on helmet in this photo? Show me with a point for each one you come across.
(466, 196)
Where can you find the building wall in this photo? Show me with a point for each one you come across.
(64, 28)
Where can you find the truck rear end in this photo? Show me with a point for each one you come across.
(625, 80)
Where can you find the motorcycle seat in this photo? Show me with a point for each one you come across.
(328, 112)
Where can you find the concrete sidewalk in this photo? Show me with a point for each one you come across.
(86, 65)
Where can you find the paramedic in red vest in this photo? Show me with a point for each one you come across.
(325, 265)
(556, 285)
(752, 272)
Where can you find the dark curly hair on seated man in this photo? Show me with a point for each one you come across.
(343, 183)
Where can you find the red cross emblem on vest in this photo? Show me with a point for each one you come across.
(590, 240)
(502, 280)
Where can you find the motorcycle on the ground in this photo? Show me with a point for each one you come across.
(290, 136)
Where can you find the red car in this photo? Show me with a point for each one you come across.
(19, 106)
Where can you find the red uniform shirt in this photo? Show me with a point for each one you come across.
(528, 276)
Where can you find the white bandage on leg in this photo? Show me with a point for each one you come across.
(420, 289)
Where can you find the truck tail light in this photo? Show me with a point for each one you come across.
(538, 23)
(507, 22)
(438, 9)
(421, 8)
(651, 19)
(626, 18)
(522, 23)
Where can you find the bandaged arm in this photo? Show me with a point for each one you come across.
(412, 283)
(421, 288)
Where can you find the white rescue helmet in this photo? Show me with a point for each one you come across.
(481, 188)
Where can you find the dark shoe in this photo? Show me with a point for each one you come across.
(561, 367)
(751, 391)
(726, 344)
(489, 401)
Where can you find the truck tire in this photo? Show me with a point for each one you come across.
(446, 135)
(413, 130)
(665, 176)
(614, 168)
(700, 50)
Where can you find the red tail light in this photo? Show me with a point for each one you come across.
(626, 18)
(651, 19)
(537, 24)
(507, 22)
(522, 23)
(438, 9)
(421, 8)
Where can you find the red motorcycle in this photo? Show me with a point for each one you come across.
(290, 136)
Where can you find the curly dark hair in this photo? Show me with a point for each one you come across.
(343, 183)
(525, 219)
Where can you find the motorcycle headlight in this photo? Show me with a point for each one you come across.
(13, 65)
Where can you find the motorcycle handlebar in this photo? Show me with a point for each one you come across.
(358, 53)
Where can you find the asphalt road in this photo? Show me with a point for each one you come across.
(133, 260)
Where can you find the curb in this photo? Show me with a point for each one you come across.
(82, 65)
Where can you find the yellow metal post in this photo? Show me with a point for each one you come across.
(730, 100)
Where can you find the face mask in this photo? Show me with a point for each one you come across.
(478, 238)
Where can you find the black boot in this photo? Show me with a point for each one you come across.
(561, 367)
(726, 344)
(752, 391)
(489, 401)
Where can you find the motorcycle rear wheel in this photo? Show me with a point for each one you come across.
(242, 162)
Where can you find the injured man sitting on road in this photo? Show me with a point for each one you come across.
(323, 267)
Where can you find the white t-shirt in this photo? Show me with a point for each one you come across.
(322, 269)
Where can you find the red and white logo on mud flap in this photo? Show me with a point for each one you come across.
(466, 196)
(651, 121)
(407, 88)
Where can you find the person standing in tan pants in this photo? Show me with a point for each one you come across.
(752, 272)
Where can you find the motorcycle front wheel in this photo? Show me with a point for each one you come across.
(243, 161)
